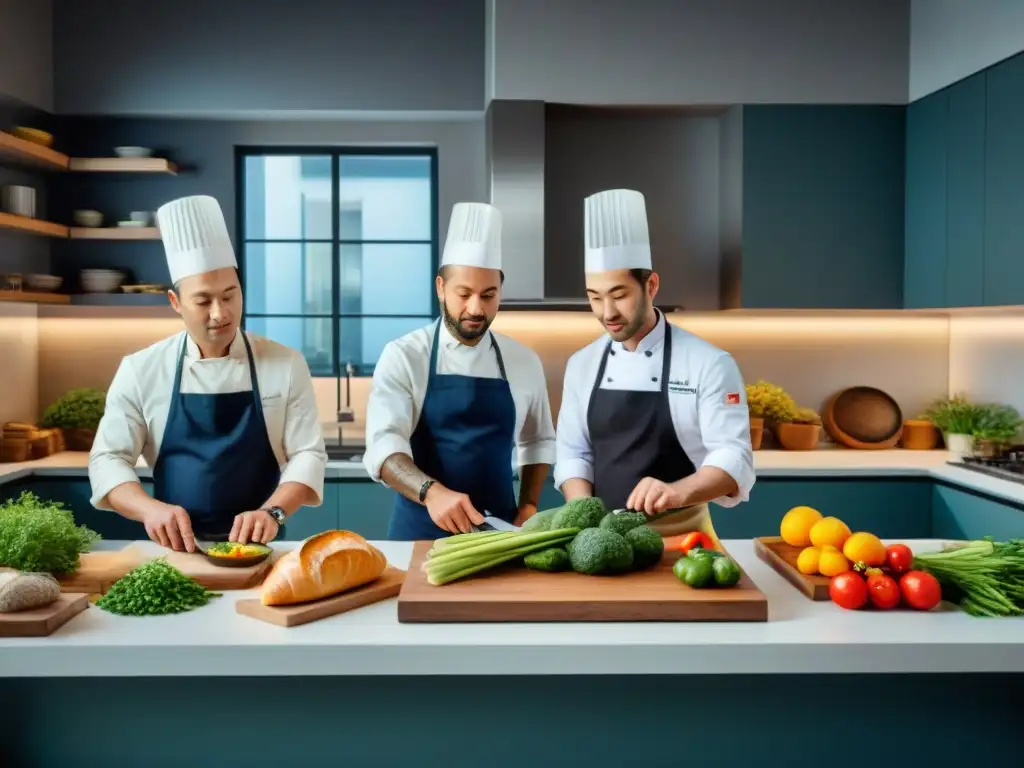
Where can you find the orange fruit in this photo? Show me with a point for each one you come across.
(808, 560)
(796, 525)
(829, 530)
(865, 548)
(832, 562)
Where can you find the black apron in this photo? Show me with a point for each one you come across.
(632, 434)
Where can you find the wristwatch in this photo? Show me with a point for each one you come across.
(277, 513)
(424, 488)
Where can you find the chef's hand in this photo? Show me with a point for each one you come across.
(653, 497)
(170, 526)
(525, 512)
(257, 526)
(451, 511)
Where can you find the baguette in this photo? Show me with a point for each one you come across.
(323, 565)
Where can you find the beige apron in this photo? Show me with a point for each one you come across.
(694, 518)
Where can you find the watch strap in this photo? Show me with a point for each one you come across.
(424, 488)
(277, 513)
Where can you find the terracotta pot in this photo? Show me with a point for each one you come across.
(756, 432)
(798, 437)
(919, 435)
(79, 439)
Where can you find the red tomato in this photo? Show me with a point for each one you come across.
(920, 590)
(848, 590)
(883, 591)
(899, 558)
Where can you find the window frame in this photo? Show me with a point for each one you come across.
(336, 153)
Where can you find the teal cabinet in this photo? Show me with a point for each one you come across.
(308, 521)
(926, 198)
(960, 514)
(898, 508)
(1004, 184)
(364, 507)
(823, 199)
(965, 195)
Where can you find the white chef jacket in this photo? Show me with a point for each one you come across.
(706, 395)
(139, 399)
(400, 384)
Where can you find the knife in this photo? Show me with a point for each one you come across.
(492, 523)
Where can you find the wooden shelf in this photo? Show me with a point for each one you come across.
(38, 297)
(32, 226)
(120, 299)
(123, 165)
(21, 152)
(115, 233)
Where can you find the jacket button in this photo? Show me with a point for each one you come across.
(609, 378)
(654, 378)
(611, 351)
(648, 353)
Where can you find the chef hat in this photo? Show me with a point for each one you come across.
(195, 236)
(615, 231)
(474, 236)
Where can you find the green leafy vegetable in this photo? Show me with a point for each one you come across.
(985, 577)
(463, 555)
(154, 589)
(552, 560)
(76, 409)
(598, 552)
(41, 536)
(647, 545)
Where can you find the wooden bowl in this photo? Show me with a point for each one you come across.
(238, 562)
(863, 418)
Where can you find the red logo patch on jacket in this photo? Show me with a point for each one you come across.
(733, 398)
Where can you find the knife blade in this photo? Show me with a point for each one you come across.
(492, 523)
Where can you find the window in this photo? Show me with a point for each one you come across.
(338, 249)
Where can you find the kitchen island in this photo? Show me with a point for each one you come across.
(365, 690)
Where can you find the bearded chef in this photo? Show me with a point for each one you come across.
(653, 418)
(453, 405)
(227, 419)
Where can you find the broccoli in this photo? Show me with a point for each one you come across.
(598, 551)
(584, 512)
(623, 521)
(540, 521)
(647, 546)
(551, 559)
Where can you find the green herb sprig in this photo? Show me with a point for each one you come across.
(155, 588)
(41, 536)
(984, 577)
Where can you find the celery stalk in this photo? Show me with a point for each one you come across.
(456, 563)
(498, 545)
(444, 576)
(444, 549)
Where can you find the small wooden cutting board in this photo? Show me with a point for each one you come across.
(388, 584)
(97, 571)
(41, 622)
(782, 557)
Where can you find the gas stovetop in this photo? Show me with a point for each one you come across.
(1009, 466)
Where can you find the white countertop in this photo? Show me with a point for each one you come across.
(801, 636)
(831, 462)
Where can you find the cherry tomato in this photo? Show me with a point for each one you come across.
(883, 591)
(920, 590)
(899, 558)
(848, 590)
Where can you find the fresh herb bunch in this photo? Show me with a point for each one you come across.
(76, 409)
(997, 422)
(984, 577)
(154, 588)
(954, 416)
(41, 536)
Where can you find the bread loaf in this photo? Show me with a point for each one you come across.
(324, 565)
(25, 591)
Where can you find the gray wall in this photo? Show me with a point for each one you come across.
(730, 203)
(217, 57)
(672, 158)
(621, 52)
(953, 39)
(26, 51)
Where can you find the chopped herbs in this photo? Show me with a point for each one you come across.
(154, 589)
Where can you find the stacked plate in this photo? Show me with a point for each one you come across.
(101, 280)
(43, 282)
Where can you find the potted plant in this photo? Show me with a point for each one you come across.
(957, 418)
(800, 430)
(996, 428)
(919, 434)
(769, 403)
(77, 414)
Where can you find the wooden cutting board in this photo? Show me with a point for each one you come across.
(521, 595)
(97, 571)
(41, 622)
(387, 585)
(219, 578)
(782, 557)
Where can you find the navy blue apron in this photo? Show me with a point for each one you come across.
(215, 459)
(464, 440)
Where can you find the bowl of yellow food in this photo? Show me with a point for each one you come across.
(232, 554)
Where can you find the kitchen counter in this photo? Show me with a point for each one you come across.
(370, 691)
(800, 637)
(827, 462)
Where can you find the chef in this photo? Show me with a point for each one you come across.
(653, 418)
(451, 401)
(227, 419)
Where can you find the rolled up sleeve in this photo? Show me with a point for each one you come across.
(574, 454)
(303, 439)
(390, 417)
(120, 436)
(536, 443)
(725, 426)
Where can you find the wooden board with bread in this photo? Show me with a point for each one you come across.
(329, 573)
